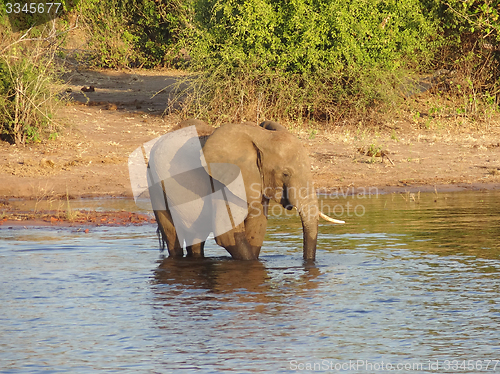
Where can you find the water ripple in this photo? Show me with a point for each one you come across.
(382, 290)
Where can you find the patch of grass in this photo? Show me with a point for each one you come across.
(246, 93)
(41, 194)
(71, 214)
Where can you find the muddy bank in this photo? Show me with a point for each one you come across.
(11, 216)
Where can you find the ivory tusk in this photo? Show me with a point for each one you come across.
(332, 220)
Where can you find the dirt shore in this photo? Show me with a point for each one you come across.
(101, 128)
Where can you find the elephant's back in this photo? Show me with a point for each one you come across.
(202, 128)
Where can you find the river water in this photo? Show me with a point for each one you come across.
(410, 284)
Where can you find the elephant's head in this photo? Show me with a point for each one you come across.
(274, 165)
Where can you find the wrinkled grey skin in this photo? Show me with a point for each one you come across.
(274, 165)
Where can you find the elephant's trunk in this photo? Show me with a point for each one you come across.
(309, 212)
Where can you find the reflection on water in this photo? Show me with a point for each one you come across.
(98, 204)
(409, 282)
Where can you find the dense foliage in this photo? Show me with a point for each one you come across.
(306, 59)
(27, 75)
(137, 33)
(309, 36)
(26, 97)
(327, 59)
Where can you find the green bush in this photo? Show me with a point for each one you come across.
(27, 90)
(293, 60)
(111, 43)
(472, 17)
(138, 33)
(306, 59)
(472, 30)
(161, 28)
(26, 99)
(28, 74)
(304, 36)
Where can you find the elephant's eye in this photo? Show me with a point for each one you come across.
(286, 174)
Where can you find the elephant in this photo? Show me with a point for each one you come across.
(227, 187)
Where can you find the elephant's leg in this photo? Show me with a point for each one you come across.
(236, 243)
(169, 233)
(195, 243)
(196, 250)
(255, 226)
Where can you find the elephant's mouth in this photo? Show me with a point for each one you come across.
(284, 199)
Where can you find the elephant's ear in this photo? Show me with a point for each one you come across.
(233, 144)
(271, 184)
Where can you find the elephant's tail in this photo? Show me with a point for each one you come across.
(160, 239)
